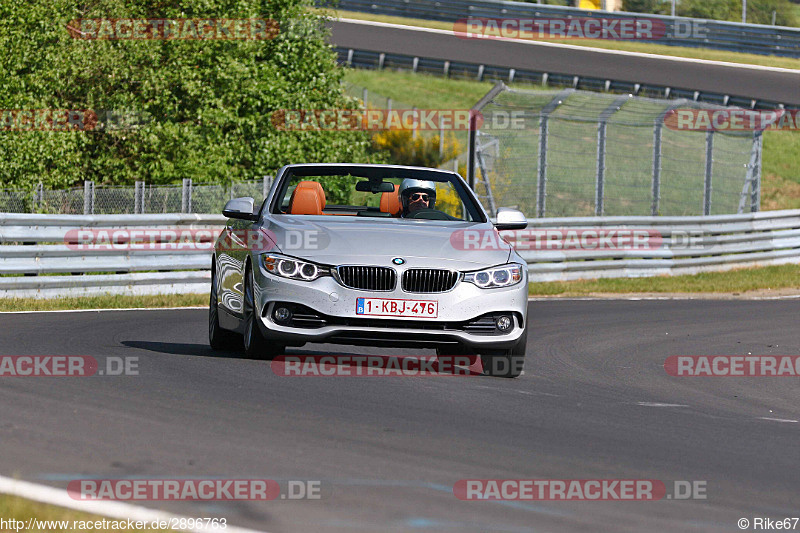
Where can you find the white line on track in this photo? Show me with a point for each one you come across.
(656, 404)
(784, 420)
(576, 47)
(110, 509)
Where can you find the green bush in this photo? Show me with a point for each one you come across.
(210, 101)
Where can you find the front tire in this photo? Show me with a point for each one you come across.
(507, 363)
(450, 355)
(256, 345)
(218, 338)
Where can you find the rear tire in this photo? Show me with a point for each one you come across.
(256, 345)
(507, 363)
(218, 338)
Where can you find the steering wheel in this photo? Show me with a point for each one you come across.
(430, 214)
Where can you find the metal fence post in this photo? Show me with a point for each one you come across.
(186, 196)
(138, 197)
(602, 126)
(87, 197)
(656, 167)
(709, 171)
(266, 186)
(39, 199)
(544, 120)
(601, 168)
(755, 198)
(441, 137)
(364, 97)
(473, 128)
(541, 185)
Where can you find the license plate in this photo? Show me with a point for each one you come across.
(404, 308)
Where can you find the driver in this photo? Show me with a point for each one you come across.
(415, 195)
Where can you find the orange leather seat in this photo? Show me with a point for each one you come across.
(306, 201)
(390, 202)
(316, 186)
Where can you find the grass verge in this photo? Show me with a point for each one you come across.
(22, 510)
(109, 301)
(641, 47)
(757, 281)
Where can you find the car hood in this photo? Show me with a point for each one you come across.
(337, 240)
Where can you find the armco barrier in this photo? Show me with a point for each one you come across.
(34, 247)
(687, 245)
(731, 36)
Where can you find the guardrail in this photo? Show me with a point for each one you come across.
(688, 245)
(34, 249)
(44, 256)
(731, 36)
(368, 59)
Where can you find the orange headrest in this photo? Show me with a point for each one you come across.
(390, 202)
(305, 201)
(314, 185)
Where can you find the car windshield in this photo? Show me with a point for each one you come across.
(420, 196)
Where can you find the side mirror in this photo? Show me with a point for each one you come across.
(508, 218)
(241, 208)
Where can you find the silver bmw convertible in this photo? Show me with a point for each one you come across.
(378, 255)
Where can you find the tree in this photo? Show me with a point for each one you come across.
(204, 105)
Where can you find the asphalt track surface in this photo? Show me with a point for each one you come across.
(389, 450)
(775, 86)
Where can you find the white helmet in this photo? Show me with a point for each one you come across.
(411, 185)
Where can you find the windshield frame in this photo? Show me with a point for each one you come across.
(288, 172)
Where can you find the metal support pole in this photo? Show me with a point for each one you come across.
(186, 196)
(709, 172)
(602, 126)
(138, 197)
(541, 185)
(364, 97)
(601, 169)
(755, 198)
(87, 197)
(656, 167)
(266, 186)
(473, 126)
(544, 120)
(414, 129)
(441, 138)
(39, 201)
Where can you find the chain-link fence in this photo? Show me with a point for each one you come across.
(576, 153)
(142, 198)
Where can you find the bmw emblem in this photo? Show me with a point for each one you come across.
(398, 261)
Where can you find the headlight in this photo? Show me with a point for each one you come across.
(491, 278)
(287, 267)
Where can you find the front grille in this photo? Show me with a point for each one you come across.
(429, 280)
(368, 278)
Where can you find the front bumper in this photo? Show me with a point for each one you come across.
(331, 312)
